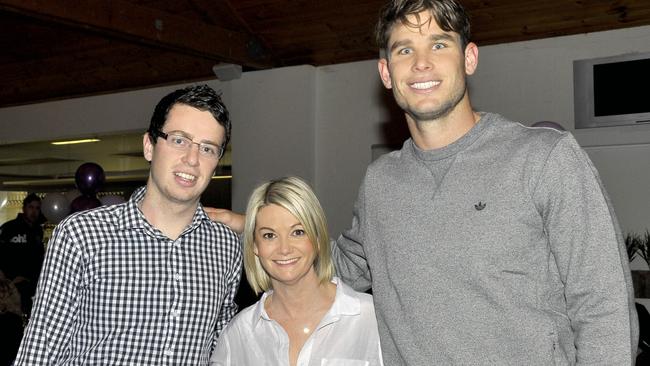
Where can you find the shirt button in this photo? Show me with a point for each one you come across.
(175, 313)
(168, 352)
(177, 276)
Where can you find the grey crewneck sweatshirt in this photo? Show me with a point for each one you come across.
(510, 256)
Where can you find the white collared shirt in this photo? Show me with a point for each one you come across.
(346, 336)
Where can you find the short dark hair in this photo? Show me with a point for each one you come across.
(31, 198)
(201, 97)
(449, 14)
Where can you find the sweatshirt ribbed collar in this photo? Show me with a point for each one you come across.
(456, 146)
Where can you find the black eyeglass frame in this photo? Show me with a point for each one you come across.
(165, 136)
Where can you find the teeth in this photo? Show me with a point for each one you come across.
(287, 261)
(425, 85)
(186, 176)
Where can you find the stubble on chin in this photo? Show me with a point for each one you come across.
(435, 114)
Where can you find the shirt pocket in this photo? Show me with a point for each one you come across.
(343, 362)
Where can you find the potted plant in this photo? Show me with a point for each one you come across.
(639, 245)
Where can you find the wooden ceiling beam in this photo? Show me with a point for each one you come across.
(125, 20)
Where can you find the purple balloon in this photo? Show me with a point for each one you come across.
(549, 124)
(89, 178)
(83, 203)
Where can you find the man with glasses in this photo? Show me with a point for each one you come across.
(151, 281)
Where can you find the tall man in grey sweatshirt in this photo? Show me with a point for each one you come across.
(485, 242)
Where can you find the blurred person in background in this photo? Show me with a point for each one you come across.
(22, 250)
(21, 257)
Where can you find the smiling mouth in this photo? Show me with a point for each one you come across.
(424, 85)
(286, 261)
(186, 176)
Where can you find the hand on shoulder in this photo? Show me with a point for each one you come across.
(229, 218)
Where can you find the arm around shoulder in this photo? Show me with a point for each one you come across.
(348, 253)
(229, 218)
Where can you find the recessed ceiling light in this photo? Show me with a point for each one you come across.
(70, 142)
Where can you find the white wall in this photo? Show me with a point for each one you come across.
(321, 123)
(273, 128)
(350, 115)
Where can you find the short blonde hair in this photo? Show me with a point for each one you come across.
(294, 195)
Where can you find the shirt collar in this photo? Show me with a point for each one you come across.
(260, 312)
(346, 303)
(132, 216)
(455, 147)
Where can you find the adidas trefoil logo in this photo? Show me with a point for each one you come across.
(479, 206)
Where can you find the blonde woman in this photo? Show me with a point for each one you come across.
(305, 315)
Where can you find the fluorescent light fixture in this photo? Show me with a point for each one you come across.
(71, 142)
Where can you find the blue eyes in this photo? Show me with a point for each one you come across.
(270, 235)
(408, 51)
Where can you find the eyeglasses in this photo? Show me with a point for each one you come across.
(184, 143)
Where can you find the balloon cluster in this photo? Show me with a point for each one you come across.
(89, 179)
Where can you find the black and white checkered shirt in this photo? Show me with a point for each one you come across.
(115, 291)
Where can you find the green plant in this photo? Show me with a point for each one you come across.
(638, 245)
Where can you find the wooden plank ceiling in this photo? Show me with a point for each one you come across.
(56, 49)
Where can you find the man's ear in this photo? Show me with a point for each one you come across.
(384, 72)
(471, 58)
(147, 147)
